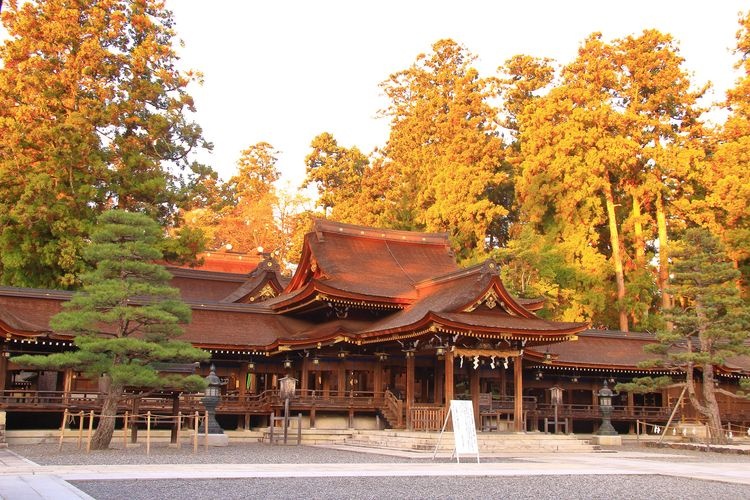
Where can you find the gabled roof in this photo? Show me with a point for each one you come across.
(25, 312)
(265, 282)
(604, 348)
(616, 350)
(200, 285)
(474, 301)
(370, 262)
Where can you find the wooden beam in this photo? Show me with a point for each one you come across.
(498, 353)
(518, 419)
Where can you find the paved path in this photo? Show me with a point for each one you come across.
(22, 479)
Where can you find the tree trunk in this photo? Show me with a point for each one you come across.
(663, 281)
(709, 408)
(614, 236)
(639, 243)
(712, 406)
(106, 427)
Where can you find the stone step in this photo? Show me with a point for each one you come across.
(487, 443)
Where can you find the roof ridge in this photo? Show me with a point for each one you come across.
(328, 226)
(485, 267)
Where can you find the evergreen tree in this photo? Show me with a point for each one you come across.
(93, 114)
(710, 320)
(125, 318)
(444, 156)
(337, 172)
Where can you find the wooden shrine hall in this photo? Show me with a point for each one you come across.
(380, 327)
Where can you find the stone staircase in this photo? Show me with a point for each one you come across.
(489, 442)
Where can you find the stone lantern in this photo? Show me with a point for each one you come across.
(607, 435)
(215, 434)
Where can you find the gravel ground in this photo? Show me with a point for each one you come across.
(537, 487)
(246, 453)
(631, 487)
(253, 453)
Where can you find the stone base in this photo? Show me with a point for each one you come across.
(215, 440)
(690, 431)
(607, 440)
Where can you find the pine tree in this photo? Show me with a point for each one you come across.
(710, 320)
(125, 317)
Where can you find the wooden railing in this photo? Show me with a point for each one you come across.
(427, 417)
(264, 402)
(394, 407)
(90, 400)
(590, 412)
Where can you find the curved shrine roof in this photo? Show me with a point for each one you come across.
(373, 262)
(265, 282)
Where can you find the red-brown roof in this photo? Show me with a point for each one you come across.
(374, 262)
(264, 282)
(225, 262)
(26, 311)
(206, 286)
(472, 300)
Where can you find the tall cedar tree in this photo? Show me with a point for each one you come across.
(93, 114)
(444, 157)
(337, 172)
(721, 205)
(125, 317)
(710, 320)
(601, 149)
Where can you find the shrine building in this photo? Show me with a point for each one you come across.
(381, 329)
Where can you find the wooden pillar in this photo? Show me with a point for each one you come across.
(504, 381)
(410, 376)
(134, 421)
(326, 376)
(377, 380)
(305, 376)
(474, 389)
(437, 395)
(3, 370)
(518, 423)
(243, 382)
(175, 414)
(425, 386)
(341, 378)
(67, 385)
(448, 386)
(631, 411)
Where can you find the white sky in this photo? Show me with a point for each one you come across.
(285, 71)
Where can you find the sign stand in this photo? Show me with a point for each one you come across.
(464, 430)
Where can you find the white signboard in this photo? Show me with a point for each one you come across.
(464, 429)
